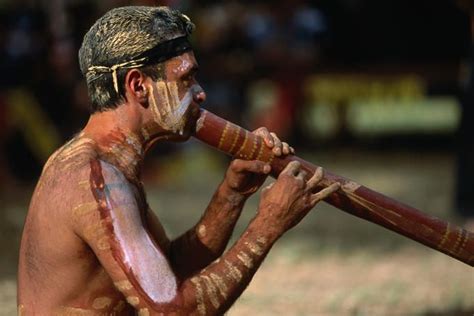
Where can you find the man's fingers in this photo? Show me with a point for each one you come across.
(314, 180)
(277, 148)
(292, 168)
(286, 149)
(265, 134)
(321, 195)
(272, 141)
(255, 166)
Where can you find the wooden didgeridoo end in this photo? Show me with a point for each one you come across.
(352, 198)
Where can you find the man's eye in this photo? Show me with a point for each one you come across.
(188, 80)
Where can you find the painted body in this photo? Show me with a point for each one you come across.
(92, 246)
(59, 274)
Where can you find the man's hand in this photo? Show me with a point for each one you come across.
(207, 240)
(285, 202)
(246, 177)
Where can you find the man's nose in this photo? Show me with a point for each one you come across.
(199, 95)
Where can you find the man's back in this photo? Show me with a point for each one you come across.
(58, 272)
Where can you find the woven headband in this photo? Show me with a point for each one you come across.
(157, 54)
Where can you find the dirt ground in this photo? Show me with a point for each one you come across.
(332, 263)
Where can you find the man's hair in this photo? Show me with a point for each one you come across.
(117, 37)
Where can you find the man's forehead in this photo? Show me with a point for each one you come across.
(183, 63)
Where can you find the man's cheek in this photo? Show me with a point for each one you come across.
(168, 97)
(174, 101)
(162, 100)
(165, 97)
(155, 100)
(168, 109)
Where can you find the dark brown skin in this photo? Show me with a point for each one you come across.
(92, 246)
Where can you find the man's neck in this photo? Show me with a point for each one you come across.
(118, 138)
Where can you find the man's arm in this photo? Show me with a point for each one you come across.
(141, 271)
(208, 239)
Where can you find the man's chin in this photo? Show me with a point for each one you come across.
(186, 132)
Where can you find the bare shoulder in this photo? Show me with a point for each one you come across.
(74, 154)
(61, 192)
(105, 177)
(108, 190)
(56, 262)
(64, 182)
(64, 207)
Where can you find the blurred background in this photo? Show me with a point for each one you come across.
(377, 91)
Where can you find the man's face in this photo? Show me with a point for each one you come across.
(175, 99)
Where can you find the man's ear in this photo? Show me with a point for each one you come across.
(135, 86)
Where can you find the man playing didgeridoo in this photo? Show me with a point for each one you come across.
(91, 245)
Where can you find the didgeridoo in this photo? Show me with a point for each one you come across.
(352, 198)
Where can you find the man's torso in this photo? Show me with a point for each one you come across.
(58, 271)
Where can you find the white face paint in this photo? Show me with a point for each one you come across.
(168, 109)
(184, 65)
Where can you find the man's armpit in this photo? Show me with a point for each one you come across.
(157, 231)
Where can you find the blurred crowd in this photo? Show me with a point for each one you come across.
(247, 52)
(256, 59)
